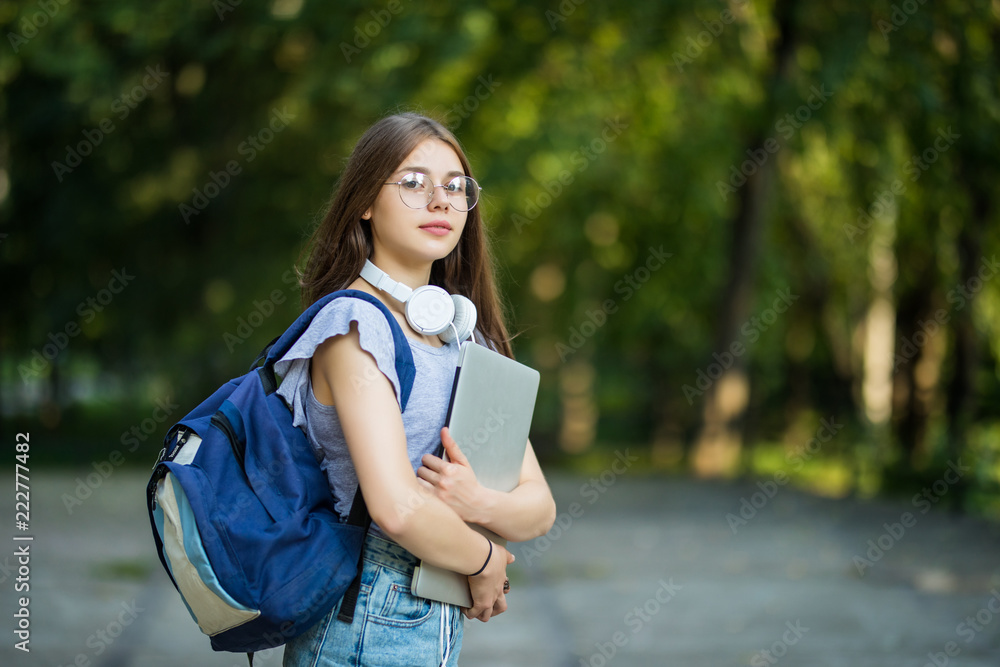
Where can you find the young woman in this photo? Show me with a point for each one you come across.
(406, 202)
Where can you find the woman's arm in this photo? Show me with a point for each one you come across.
(346, 376)
(522, 514)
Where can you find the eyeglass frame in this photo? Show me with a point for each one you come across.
(430, 197)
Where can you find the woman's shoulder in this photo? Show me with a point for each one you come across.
(360, 305)
(375, 337)
(337, 318)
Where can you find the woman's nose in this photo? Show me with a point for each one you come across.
(439, 198)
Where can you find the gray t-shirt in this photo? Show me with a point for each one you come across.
(426, 408)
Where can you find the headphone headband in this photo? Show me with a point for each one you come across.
(379, 279)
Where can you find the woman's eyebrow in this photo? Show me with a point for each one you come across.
(425, 170)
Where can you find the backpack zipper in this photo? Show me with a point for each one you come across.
(221, 422)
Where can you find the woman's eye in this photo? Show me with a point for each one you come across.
(412, 183)
(454, 186)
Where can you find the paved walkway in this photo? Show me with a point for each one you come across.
(640, 572)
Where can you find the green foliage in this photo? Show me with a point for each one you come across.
(194, 145)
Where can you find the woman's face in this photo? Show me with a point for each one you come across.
(419, 235)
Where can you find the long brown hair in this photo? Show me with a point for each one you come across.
(339, 246)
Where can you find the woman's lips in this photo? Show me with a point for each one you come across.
(438, 228)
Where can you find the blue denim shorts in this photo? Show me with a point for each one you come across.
(391, 626)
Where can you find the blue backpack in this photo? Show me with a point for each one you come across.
(243, 517)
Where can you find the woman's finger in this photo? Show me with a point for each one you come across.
(451, 448)
(433, 462)
(428, 475)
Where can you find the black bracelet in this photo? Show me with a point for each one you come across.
(488, 556)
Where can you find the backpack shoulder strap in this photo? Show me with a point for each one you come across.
(405, 369)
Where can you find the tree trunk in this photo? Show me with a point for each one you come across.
(961, 390)
(973, 166)
(918, 370)
(717, 448)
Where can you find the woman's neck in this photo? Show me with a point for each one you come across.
(411, 275)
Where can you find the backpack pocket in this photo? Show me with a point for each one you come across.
(211, 606)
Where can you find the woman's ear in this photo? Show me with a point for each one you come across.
(367, 215)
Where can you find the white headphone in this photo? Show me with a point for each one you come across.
(429, 309)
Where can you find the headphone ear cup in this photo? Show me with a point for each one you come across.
(465, 319)
(429, 310)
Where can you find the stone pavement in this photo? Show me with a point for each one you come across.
(639, 571)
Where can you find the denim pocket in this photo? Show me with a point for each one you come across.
(396, 606)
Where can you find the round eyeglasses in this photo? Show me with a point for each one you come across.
(417, 191)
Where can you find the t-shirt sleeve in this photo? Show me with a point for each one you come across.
(375, 337)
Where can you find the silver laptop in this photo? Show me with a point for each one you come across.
(489, 417)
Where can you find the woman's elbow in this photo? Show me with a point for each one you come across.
(545, 521)
(550, 516)
(393, 518)
(391, 525)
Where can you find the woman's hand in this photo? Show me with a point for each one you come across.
(454, 481)
(488, 599)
